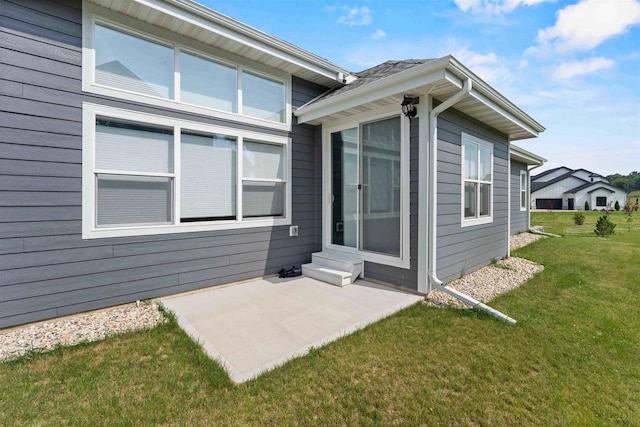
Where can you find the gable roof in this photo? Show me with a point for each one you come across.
(601, 188)
(387, 84)
(600, 184)
(547, 172)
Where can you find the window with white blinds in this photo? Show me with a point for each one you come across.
(148, 174)
(134, 173)
(263, 179)
(208, 177)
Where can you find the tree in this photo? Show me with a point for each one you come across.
(628, 183)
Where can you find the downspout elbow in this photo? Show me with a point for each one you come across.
(433, 202)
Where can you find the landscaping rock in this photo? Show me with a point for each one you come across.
(87, 327)
(490, 281)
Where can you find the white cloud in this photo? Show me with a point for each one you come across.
(571, 69)
(587, 24)
(494, 7)
(356, 16)
(487, 66)
(378, 34)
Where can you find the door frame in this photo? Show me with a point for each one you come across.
(356, 121)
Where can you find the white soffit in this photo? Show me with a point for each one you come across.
(527, 157)
(198, 22)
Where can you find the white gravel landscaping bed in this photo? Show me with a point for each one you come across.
(87, 327)
(490, 281)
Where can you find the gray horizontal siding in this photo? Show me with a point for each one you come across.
(463, 250)
(46, 269)
(518, 217)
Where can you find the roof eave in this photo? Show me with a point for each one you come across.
(199, 16)
(527, 157)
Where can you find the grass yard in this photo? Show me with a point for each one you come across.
(573, 358)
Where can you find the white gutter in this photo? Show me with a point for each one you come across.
(434, 281)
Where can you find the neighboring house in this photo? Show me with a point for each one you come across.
(522, 162)
(568, 189)
(155, 147)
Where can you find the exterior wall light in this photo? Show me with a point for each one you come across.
(409, 106)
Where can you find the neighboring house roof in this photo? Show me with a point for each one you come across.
(442, 78)
(527, 157)
(600, 184)
(547, 172)
(535, 186)
(193, 20)
(601, 188)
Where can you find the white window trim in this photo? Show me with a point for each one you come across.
(523, 206)
(468, 222)
(403, 261)
(89, 227)
(92, 13)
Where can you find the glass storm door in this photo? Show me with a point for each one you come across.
(344, 188)
(366, 187)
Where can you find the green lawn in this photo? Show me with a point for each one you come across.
(572, 359)
(558, 222)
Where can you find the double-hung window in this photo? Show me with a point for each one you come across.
(142, 67)
(147, 174)
(134, 173)
(523, 190)
(477, 181)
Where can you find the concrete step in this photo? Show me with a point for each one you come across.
(326, 274)
(341, 261)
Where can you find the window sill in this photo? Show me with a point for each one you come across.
(153, 230)
(476, 221)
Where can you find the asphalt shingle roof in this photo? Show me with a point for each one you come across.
(373, 74)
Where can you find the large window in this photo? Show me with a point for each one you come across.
(601, 201)
(477, 178)
(523, 190)
(146, 174)
(131, 65)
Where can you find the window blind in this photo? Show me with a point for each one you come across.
(208, 177)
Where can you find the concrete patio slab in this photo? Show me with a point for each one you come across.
(252, 327)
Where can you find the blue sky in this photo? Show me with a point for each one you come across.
(572, 65)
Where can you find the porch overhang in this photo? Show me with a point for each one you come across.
(441, 78)
(190, 19)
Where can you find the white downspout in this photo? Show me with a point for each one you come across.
(434, 282)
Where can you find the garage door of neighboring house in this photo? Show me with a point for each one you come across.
(555, 204)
